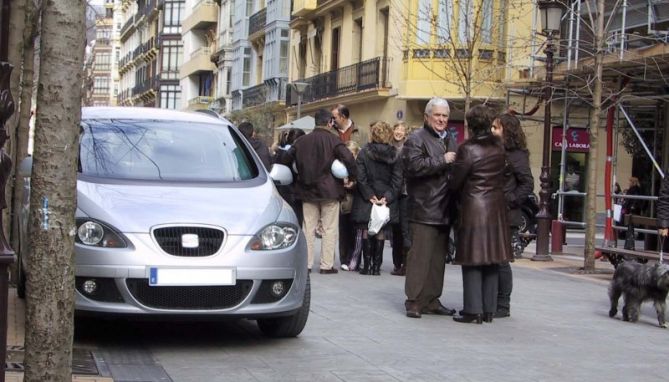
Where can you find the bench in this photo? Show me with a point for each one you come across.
(628, 252)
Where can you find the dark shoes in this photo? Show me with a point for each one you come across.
(469, 318)
(401, 271)
(487, 317)
(413, 309)
(502, 314)
(439, 310)
(328, 271)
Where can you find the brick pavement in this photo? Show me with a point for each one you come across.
(16, 337)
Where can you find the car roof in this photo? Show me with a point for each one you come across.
(148, 113)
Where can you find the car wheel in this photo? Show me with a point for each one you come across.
(524, 222)
(290, 326)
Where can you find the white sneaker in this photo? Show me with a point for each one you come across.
(344, 267)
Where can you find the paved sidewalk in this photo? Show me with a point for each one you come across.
(16, 337)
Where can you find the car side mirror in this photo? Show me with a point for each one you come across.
(281, 175)
(26, 167)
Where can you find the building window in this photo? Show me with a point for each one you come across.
(172, 52)
(486, 25)
(101, 85)
(424, 24)
(170, 95)
(283, 58)
(117, 54)
(445, 18)
(249, 8)
(102, 61)
(205, 84)
(172, 16)
(466, 17)
(246, 71)
(501, 27)
(228, 80)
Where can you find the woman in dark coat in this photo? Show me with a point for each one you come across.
(379, 182)
(519, 184)
(483, 231)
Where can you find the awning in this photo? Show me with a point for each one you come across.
(304, 123)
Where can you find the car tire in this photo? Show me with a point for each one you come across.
(524, 222)
(290, 326)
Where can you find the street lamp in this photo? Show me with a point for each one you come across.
(299, 87)
(550, 12)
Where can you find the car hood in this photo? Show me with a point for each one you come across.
(138, 208)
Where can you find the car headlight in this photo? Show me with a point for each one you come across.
(96, 234)
(274, 236)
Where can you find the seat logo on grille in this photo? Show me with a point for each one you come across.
(190, 240)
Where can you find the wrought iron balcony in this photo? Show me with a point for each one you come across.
(257, 22)
(365, 75)
(255, 95)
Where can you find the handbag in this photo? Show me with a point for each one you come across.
(379, 216)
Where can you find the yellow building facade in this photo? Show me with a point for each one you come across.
(385, 59)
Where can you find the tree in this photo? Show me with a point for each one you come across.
(50, 269)
(25, 38)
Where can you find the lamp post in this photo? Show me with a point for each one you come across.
(551, 15)
(299, 87)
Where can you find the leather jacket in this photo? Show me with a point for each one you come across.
(427, 175)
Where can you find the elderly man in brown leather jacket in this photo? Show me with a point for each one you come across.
(427, 156)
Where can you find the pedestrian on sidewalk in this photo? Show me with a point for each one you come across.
(379, 182)
(483, 230)
(518, 186)
(317, 187)
(427, 158)
(401, 241)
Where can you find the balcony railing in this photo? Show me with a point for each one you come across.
(128, 24)
(255, 95)
(201, 51)
(365, 75)
(257, 21)
(200, 100)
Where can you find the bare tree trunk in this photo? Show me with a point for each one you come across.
(22, 129)
(15, 53)
(50, 271)
(591, 197)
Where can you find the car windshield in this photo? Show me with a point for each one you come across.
(163, 150)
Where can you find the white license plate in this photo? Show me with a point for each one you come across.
(191, 276)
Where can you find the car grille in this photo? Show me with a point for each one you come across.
(169, 239)
(189, 297)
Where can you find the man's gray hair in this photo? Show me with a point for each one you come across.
(436, 101)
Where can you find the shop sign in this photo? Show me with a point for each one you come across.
(456, 129)
(578, 140)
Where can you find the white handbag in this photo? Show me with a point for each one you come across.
(378, 218)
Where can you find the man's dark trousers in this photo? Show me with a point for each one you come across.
(426, 261)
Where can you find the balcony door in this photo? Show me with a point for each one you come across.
(334, 63)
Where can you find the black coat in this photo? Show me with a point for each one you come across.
(519, 183)
(426, 174)
(380, 175)
(482, 235)
(263, 152)
(313, 155)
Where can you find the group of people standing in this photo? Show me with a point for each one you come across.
(430, 185)
(476, 189)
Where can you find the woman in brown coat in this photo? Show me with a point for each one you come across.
(482, 234)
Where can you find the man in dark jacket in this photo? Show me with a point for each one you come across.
(427, 156)
(318, 189)
(259, 146)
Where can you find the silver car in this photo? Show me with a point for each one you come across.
(176, 215)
